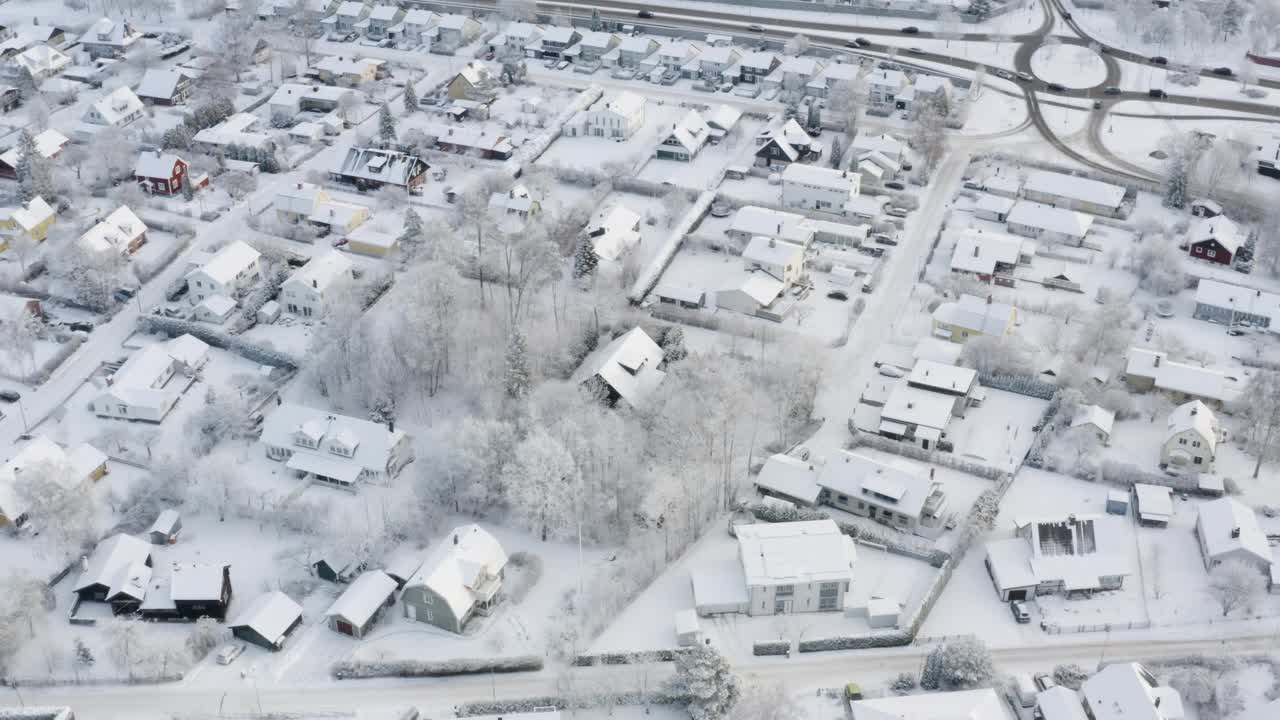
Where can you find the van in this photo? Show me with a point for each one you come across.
(1026, 690)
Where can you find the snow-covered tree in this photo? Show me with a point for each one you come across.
(1105, 331)
(410, 98)
(814, 121)
(35, 172)
(993, 355)
(67, 515)
(84, 656)
(542, 484)
(126, 642)
(585, 260)
(837, 152)
(206, 634)
(1196, 684)
(386, 125)
(797, 45)
(1158, 265)
(704, 677)
(596, 24)
(517, 379)
(1231, 18)
(766, 701)
(904, 683)
(845, 102)
(928, 137)
(234, 41)
(1070, 675)
(980, 9)
(1259, 406)
(1236, 584)
(957, 665)
(1181, 154)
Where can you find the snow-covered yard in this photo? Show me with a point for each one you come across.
(1072, 66)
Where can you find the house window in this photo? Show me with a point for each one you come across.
(1182, 441)
(784, 591)
(122, 409)
(902, 519)
(779, 606)
(1195, 443)
(1199, 460)
(862, 505)
(828, 595)
(1212, 253)
(845, 499)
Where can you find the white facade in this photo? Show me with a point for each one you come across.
(779, 259)
(617, 120)
(811, 187)
(795, 567)
(232, 270)
(310, 289)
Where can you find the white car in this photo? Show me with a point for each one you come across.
(229, 653)
(888, 370)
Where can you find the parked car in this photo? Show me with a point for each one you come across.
(562, 64)
(895, 185)
(1111, 90)
(915, 50)
(80, 326)
(1157, 93)
(1025, 77)
(1020, 611)
(910, 30)
(1044, 681)
(1223, 71)
(838, 295)
(646, 14)
(10, 396)
(906, 165)
(1055, 87)
(1159, 60)
(1066, 16)
(852, 691)
(889, 371)
(897, 211)
(755, 29)
(229, 653)
(883, 239)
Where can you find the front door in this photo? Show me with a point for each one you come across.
(410, 611)
(781, 607)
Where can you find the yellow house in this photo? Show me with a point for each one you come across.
(368, 241)
(75, 468)
(340, 217)
(473, 82)
(971, 317)
(31, 222)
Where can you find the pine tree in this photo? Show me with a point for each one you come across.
(410, 99)
(411, 238)
(584, 258)
(1175, 182)
(188, 190)
(517, 378)
(980, 9)
(815, 116)
(596, 25)
(386, 125)
(84, 656)
(383, 410)
(837, 152)
(705, 678)
(35, 173)
(1230, 20)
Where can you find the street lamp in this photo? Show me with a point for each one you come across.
(25, 429)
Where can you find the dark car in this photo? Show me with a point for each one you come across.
(1111, 90)
(644, 14)
(1159, 60)
(1223, 71)
(1097, 104)
(10, 395)
(895, 185)
(755, 28)
(1056, 87)
(861, 42)
(1066, 16)
(838, 295)
(80, 326)
(1157, 93)
(910, 30)
(915, 50)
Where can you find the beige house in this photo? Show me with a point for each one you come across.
(778, 259)
(1191, 440)
(973, 316)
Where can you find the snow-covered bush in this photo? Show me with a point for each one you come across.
(771, 648)
(1070, 675)
(360, 669)
(956, 665)
(904, 683)
(704, 677)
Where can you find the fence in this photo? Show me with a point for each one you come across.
(1054, 629)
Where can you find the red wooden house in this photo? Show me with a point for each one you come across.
(160, 173)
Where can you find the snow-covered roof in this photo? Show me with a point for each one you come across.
(458, 565)
(598, 40)
(155, 164)
(942, 377)
(160, 84)
(628, 365)
(28, 216)
(638, 44)
(627, 103)
(615, 233)
(980, 252)
(230, 261)
(373, 441)
(237, 129)
(760, 287)
(106, 31)
(69, 468)
(759, 60)
(337, 213)
(754, 220)
(1078, 551)
(1060, 703)
(363, 597)
(218, 305)
(1046, 217)
(813, 551)
(789, 476)
(383, 166)
(1196, 417)
(801, 65)
(340, 65)
(116, 231)
(112, 555)
(48, 144)
(887, 145)
(322, 271)
(995, 204)
(385, 13)
(1098, 417)
(766, 251)
(691, 131)
(454, 21)
(822, 177)
(723, 117)
(118, 105)
(1243, 300)
(293, 93)
(1155, 502)
(1128, 691)
(857, 475)
(135, 382)
(474, 72)
(975, 314)
(195, 581)
(888, 77)
(982, 704)
(270, 615)
(42, 60)
(1200, 382)
(1220, 519)
(678, 50)
(935, 349)
(1220, 229)
(166, 521)
(351, 8)
(1074, 188)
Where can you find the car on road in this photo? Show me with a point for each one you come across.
(1020, 611)
(910, 30)
(915, 50)
(1111, 90)
(897, 211)
(1055, 87)
(646, 14)
(229, 653)
(1097, 104)
(1223, 71)
(852, 691)
(861, 42)
(1025, 77)
(1002, 74)
(10, 395)
(1237, 330)
(1157, 93)
(1159, 60)
(895, 185)
(838, 295)
(755, 28)
(80, 326)
(1066, 16)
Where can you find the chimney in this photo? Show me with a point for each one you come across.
(976, 248)
(299, 186)
(391, 426)
(314, 283)
(1235, 533)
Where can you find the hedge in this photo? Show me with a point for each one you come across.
(771, 648)
(250, 350)
(879, 442)
(626, 658)
(1020, 384)
(858, 642)
(528, 705)
(774, 513)
(363, 669)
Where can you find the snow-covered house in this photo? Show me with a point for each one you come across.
(339, 217)
(716, 62)
(628, 369)
(674, 55)
(1052, 224)
(1228, 530)
(983, 704)
(512, 40)
(778, 259)
(268, 620)
(48, 143)
(372, 168)
(754, 294)
(230, 272)
(117, 109)
(517, 202)
(292, 98)
(635, 49)
(1079, 554)
(922, 88)
(348, 15)
(141, 389)
(1095, 421)
(833, 76)
(74, 469)
(686, 138)
(789, 478)
(1191, 438)
(883, 86)
(887, 145)
(107, 38)
(785, 145)
(189, 592)
(165, 529)
(1074, 193)
(473, 82)
(810, 187)
(1216, 239)
(1146, 370)
(111, 566)
(722, 119)
(42, 61)
(993, 207)
(348, 71)
(374, 243)
(756, 66)
(617, 119)
(333, 448)
(897, 494)
(30, 222)
(751, 220)
(361, 604)
(971, 316)
(382, 20)
(239, 129)
(419, 25)
(1153, 504)
(460, 578)
(308, 291)
(554, 42)
(159, 172)
(453, 31)
(164, 87)
(214, 309)
(795, 72)
(595, 44)
(1236, 304)
(795, 567)
(615, 233)
(121, 231)
(1128, 691)
(989, 256)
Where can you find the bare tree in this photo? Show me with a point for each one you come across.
(797, 45)
(1235, 584)
(126, 642)
(518, 10)
(1259, 405)
(1105, 331)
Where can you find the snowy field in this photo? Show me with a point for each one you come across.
(1071, 66)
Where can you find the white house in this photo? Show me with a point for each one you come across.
(1128, 691)
(291, 98)
(121, 231)
(42, 61)
(898, 494)
(117, 109)
(107, 38)
(142, 389)
(751, 220)
(755, 294)
(1228, 530)
(74, 469)
(460, 577)
(685, 139)
(989, 255)
(812, 187)
(1191, 438)
(778, 259)
(617, 120)
(1076, 555)
(883, 86)
(1045, 222)
(627, 369)
(615, 233)
(333, 448)
(1095, 421)
(971, 316)
(215, 309)
(675, 55)
(1147, 370)
(795, 567)
(1074, 193)
(230, 272)
(1153, 504)
(308, 290)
